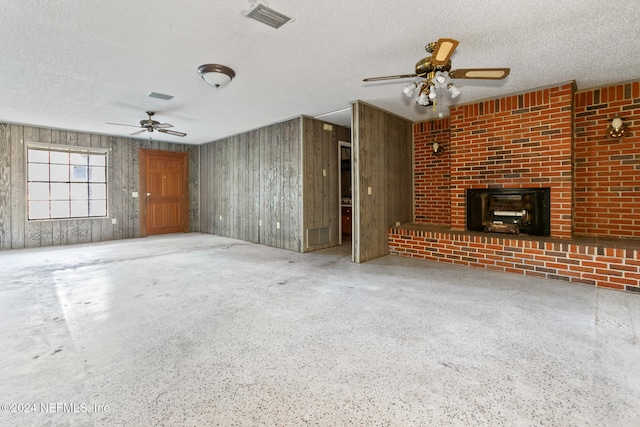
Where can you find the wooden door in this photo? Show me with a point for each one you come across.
(164, 192)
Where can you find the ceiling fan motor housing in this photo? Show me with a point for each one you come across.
(149, 123)
(425, 66)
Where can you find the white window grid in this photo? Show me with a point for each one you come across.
(65, 182)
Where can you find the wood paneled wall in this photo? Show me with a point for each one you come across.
(266, 186)
(229, 190)
(123, 180)
(382, 150)
(251, 186)
(321, 191)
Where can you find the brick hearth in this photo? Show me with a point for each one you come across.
(611, 264)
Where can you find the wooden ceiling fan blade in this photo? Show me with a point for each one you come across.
(443, 51)
(162, 125)
(480, 73)
(399, 76)
(172, 132)
(138, 132)
(122, 124)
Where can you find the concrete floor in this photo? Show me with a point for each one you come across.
(195, 330)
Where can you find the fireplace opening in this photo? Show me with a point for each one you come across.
(509, 210)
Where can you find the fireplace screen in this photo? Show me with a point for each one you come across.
(513, 211)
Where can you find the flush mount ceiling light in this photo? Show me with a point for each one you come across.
(267, 16)
(216, 75)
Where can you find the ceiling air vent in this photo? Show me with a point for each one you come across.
(159, 95)
(267, 16)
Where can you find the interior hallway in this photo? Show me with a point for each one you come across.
(195, 329)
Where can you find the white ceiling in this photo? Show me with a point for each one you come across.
(75, 65)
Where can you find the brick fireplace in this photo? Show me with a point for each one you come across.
(509, 210)
(552, 138)
(522, 141)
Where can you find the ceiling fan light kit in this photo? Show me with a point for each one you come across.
(216, 75)
(436, 72)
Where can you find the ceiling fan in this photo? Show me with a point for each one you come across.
(436, 70)
(149, 125)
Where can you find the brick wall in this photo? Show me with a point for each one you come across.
(553, 137)
(515, 142)
(608, 267)
(607, 171)
(432, 177)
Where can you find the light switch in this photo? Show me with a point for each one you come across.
(324, 172)
(134, 194)
(369, 190)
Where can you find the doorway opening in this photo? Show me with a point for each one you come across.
(345, 181)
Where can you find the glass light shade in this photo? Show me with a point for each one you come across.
(616, 123)
(423, 99)
(216, 75)
(216, 79)
(409, 89)
(441, 79)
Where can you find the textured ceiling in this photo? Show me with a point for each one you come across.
(77, 64)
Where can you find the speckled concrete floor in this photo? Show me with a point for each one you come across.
(200, 330)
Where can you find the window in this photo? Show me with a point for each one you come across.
(66, 182)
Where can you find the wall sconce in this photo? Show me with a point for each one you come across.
(437, 149)
(617, 128)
